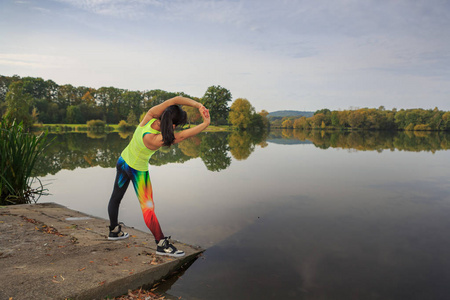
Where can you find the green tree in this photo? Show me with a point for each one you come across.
(301, 123)
(5, 82)
(241, 113)
(446, 121)
(133, 102)
(18, 105)
(264, 113)
(400, 119)
(257, 122)
(155, 97)
(335, 119)
(132, 118)
(287, 124)
(216, 100)
(356, 119)
(324, 111)
(193, 114)
(66, 96)
(36, 87)
(74, 115)
(317, 120)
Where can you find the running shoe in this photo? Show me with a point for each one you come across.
(117, 233)
(164, 247)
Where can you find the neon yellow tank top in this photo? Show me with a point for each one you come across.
(136, 155)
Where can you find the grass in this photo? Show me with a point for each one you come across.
(19, 151)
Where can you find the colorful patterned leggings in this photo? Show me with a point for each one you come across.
(143, 188)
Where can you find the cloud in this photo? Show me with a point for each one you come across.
(116, 8)
(176, 10)
(41, 9)
(33, 60)
(322, 51)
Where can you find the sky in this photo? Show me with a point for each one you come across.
(279, 55)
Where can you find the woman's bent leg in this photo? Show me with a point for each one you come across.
(143, 187)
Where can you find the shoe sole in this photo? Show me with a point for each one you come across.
(171, 254)
(119, 237)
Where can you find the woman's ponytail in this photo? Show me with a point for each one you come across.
(173, 115)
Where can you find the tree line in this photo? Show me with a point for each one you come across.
(35, 100)
(372, 119)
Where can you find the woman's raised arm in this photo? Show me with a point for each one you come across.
(187, 133)
(157, 110)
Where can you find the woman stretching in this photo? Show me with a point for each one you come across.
(156, 129)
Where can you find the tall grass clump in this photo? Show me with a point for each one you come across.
(19, 151)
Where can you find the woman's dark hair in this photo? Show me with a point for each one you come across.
(173, 115)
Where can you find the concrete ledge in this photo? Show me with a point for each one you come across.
(48, 251)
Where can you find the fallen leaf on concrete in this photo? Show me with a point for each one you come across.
(29, 220)
(20, 267)
(82, 269)
(140, 295)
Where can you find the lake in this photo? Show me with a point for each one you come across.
(286, 214)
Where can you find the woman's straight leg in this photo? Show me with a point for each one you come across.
(120, 187)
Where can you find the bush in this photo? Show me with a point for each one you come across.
(124, 126)
(19, 151)
(96, 123)
(410, 127)
(422, 127)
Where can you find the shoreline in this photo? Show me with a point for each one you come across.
(49, 251)
(83, 128)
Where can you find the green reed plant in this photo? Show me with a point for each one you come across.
(19, 151)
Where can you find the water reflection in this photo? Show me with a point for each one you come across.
(72, 150)
(367, 140)
(292, 222)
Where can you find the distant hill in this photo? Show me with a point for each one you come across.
(290, 113)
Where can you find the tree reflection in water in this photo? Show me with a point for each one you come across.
(368, 140)
(81, 150)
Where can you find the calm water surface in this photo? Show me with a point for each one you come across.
(290, 215)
